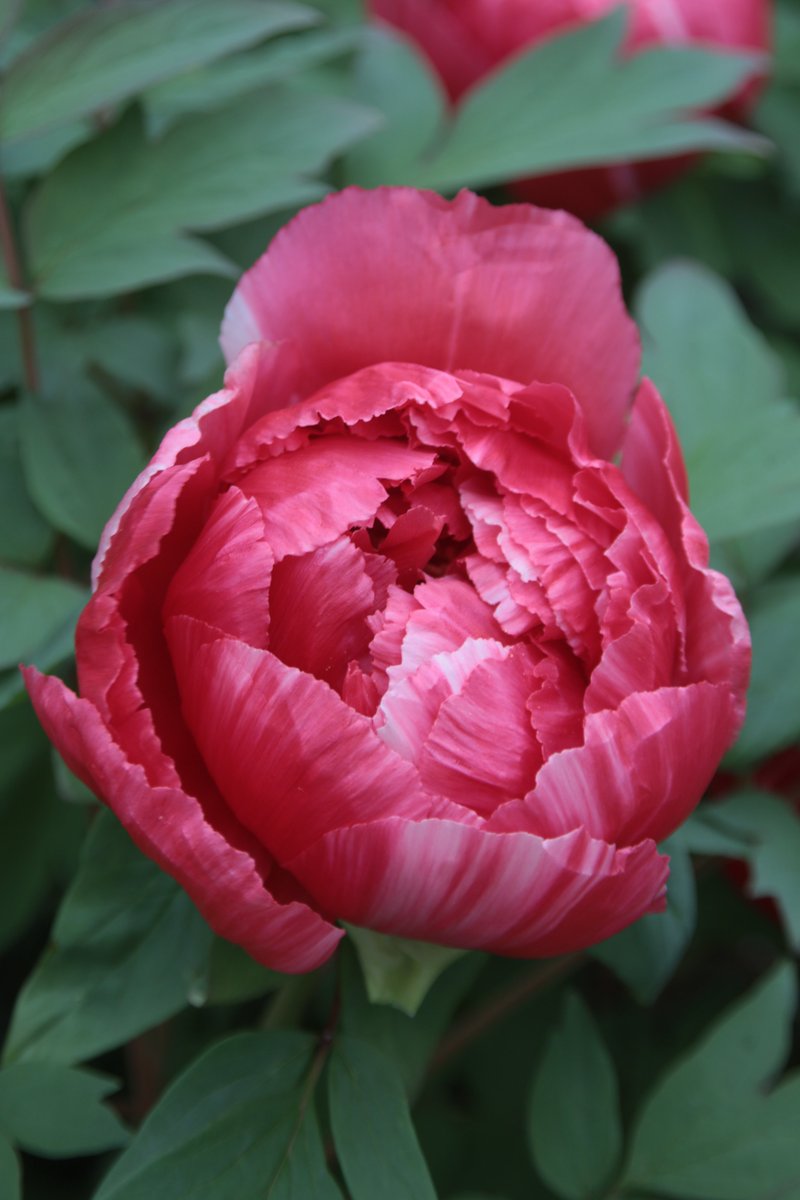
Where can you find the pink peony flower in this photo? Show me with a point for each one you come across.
(467, 39)
(382, 634)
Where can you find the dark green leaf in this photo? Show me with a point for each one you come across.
(105, 55)
(574, 1125)
(35, 609)
(773, 701)
(10, 1177)
(646, 954)
(25, 538)
(58, 1111)
(375, 1139)
(570, 101)
(707, 1129)
(239, 1124)
(114, 215)
(723, 386)
(764, 830)
(233, 976)
(128, 949)
(80, 453)
(407, 1042)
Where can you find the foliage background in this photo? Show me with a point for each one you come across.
(147, 154)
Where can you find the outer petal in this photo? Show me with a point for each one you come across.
(516, 894)
(290, 757)
(632, 778)
(718, 639)
(215, 866)
(457, 285)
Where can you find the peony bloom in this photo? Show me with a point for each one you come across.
(466, 39)
(382, 634)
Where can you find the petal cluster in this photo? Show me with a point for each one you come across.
(384, 634)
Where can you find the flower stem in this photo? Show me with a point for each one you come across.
(16, 278)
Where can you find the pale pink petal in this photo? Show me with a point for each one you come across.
(224, 871)
(640, 772)
(411, 702)
(481, 750)
(449, 882)
(290, 757)
(318, 606)
(309, 496)
(398, 275)
(447, 612)
(224, 580)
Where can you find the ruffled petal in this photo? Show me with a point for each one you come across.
(632, 778)
(515, 894)
(224, 873)
(290, 757)
(482, 750)
(504, 291)
(309, 496)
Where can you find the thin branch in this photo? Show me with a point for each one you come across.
(477, 1023)
(16, 278)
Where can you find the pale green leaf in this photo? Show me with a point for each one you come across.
(114, 215)
(34, 610)
(104, 55)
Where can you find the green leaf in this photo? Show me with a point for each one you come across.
(128, 948)
(407, 1042)
(58, 1111)
(239, 1124)
(105, 55)
(10, 1176)
(571, 101)
(574, 1125)
(233, 976)
(773, 700)
(766, 830)
(723, 386)
(707, 1129)
(35, 610)
(399, 971)
(80, 453)
(375, 1140)
(25, 537)
(392, 77)
(645, 955)
(212, 87)
(40, 837)
(114, 215)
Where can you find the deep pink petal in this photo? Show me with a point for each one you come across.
(224, 580)
(640, 772)
(309, 496)
(718, 639)
(318, 604)
(218, 867)
(504, 289)
(290, 757)
(516, 894)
